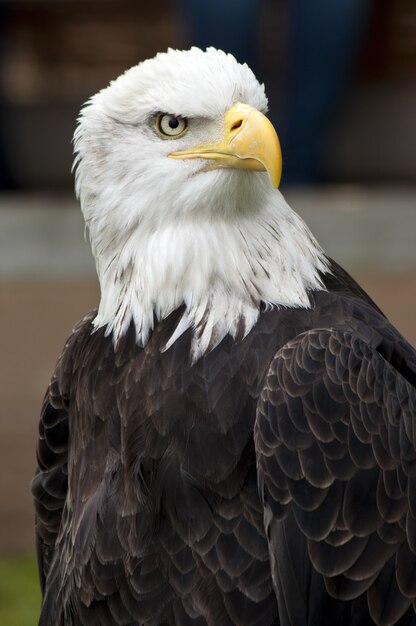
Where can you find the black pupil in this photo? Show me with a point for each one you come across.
(173, 123)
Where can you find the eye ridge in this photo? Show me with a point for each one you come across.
(171, 126)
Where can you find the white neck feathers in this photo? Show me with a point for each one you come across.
(221, 268)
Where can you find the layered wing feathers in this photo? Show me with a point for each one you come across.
(335, 438)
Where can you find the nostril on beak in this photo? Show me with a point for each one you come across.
(236, 125)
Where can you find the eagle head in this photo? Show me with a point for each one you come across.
(165, 131)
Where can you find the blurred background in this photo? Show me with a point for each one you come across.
(341, 79)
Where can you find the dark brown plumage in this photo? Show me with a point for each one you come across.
(270, 482)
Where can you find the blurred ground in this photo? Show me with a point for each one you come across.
(51, 284)
(17, 575)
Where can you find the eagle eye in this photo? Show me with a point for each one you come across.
(171, 126)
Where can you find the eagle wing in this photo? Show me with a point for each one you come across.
(50, 484)
(335, 440)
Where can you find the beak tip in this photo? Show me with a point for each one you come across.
(275, 178)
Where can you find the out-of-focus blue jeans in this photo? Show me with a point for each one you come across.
(326, 37)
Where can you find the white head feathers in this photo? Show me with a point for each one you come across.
(166, 232)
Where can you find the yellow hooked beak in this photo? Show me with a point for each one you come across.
(250, 142)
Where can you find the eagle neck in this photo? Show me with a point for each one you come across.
(223, 268)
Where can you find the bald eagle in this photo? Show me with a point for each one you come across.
(230, 438)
